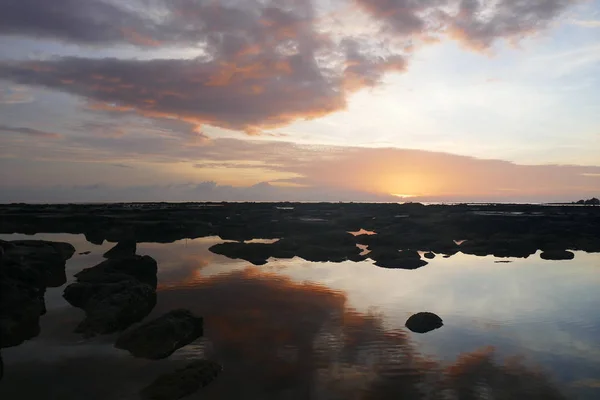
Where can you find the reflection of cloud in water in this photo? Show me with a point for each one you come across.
(310, 329)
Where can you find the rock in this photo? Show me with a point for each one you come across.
(391, 258)
(28, 267)
(429, 255)
(142, 268)
(114, 294)
(122, 249)
(424, 322)
(182, 382)
(557, 255)
(38, 262)
(110, 307)
(85, 253)
(161, 337)
(255, 253)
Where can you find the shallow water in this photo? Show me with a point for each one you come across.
(293, 329)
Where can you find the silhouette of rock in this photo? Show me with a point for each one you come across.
(332, 246)
(27, 268)
(391, 258)
(114, 294)
(161, 337)
(557, 255)
(182, 382)
(141, 268)
(429, 255)
(255, 253)
(122, 249)
(424, 322)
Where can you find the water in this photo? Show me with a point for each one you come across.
(293, 329)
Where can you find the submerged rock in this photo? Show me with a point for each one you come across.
(161, 337)
(557, 255)
(124, 248)
(424, 322)
(114, 294)
(182, 382)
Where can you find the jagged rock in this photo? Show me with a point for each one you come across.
(557, 255)
(124, 248)
(424, 322)
(114, 294)
(161, 337)
(182, 382)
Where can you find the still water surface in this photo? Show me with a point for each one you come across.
(294, 329)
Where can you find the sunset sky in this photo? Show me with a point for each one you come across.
(334, 100)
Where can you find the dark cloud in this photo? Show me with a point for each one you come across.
(477, 23)
(29, 132)
(262, 64)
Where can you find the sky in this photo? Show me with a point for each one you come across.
(299, 100)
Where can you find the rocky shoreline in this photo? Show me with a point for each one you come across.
(115, 294)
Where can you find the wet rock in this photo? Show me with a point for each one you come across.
(557, 255)
(27, 268)
(390, 258)
(161, 337)
(182, 382)
(114, 294)
(37, 262)
(122, 249)
(424, 322)
(141, 268)
(429, 255)
(255, 253)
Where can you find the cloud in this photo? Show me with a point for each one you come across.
(291, 172)
(586, 23)
(477, 23)
(15, 95)
(262, 64)
(29, 132)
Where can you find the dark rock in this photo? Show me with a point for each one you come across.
(40, 263)
(163, 336)
(391, 258)
(122, 249)
(110, 307)
(429, 255)
(85, 253)
(255, 253)
(557, 255)
(28, 267)
(182, 382)
(142, 268)
(114, 294)
(424, 322)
